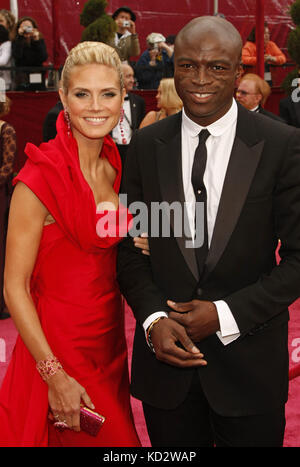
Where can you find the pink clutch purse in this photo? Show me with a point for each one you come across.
(90, 421)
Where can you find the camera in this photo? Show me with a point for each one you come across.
(28, 29)
(126, 24)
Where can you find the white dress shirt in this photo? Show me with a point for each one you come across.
(219, 145)
(125, 124)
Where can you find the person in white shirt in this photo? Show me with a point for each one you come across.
(132, 113)
(5, 57)
(210, 354)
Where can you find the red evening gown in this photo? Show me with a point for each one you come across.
(78, 301)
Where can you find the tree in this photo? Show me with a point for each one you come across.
(99, 27)
(293, 46)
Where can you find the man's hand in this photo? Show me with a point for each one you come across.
(199, 318)
(164, 335)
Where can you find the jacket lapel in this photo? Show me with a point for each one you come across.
(244, 159)
(133, 111)
(169, 164)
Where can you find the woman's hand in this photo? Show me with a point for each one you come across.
(142, 243)
(65, 395)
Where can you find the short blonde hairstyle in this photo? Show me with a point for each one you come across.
(169, 97)
(88, 53)
(262, 87)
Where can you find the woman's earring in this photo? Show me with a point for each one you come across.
(68, 121)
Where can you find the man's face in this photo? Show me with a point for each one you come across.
(247, 94)
(128, 76)
(206, 67)
(122, 16)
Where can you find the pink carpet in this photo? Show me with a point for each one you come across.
(292, 435)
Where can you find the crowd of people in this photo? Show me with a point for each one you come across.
(210, 356)
(23, 46)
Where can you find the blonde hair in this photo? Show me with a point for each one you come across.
(262, 87)
(169, 97)
(87, 53)
(5, 106)
(10, 21)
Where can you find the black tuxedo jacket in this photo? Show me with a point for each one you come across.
(263, 111)
(260, 203)
(289, 111)
(137, 107)
(49, 125)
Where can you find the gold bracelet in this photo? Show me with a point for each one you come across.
(148, 338)
(48, 367)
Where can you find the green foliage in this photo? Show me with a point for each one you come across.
(295, 12)
(101, 30)
(92, 10)
(293, 44)
(99, 27)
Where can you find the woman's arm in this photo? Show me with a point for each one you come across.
(5, 54)
(26, 221)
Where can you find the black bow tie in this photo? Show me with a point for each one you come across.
(126, 98)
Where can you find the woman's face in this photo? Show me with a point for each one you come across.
(158, 97)
(93, 101)
(26, 28)
(266, 35)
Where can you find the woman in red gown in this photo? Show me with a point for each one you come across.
(60, 276)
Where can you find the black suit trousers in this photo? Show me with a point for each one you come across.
(194, 424)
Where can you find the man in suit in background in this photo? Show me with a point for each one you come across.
(289, 107)
(132, 113)
(224, 301)
(253, 92)
(49, 125)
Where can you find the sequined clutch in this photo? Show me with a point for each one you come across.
(90, 421)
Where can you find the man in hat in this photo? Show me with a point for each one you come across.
(125, 41)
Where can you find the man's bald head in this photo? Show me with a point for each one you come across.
(207, 60)
(128, 76)
(212, 25)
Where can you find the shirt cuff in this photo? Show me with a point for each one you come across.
(229, 330)
(152, 317)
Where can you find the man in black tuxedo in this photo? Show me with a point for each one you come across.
(253, 92)
(133, 112)
(289, 111)
(210, 355)
(49, 124)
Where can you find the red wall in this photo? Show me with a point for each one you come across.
(165, 16)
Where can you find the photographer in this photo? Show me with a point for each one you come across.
(29, 50)
(126, 41)
(155, 63)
